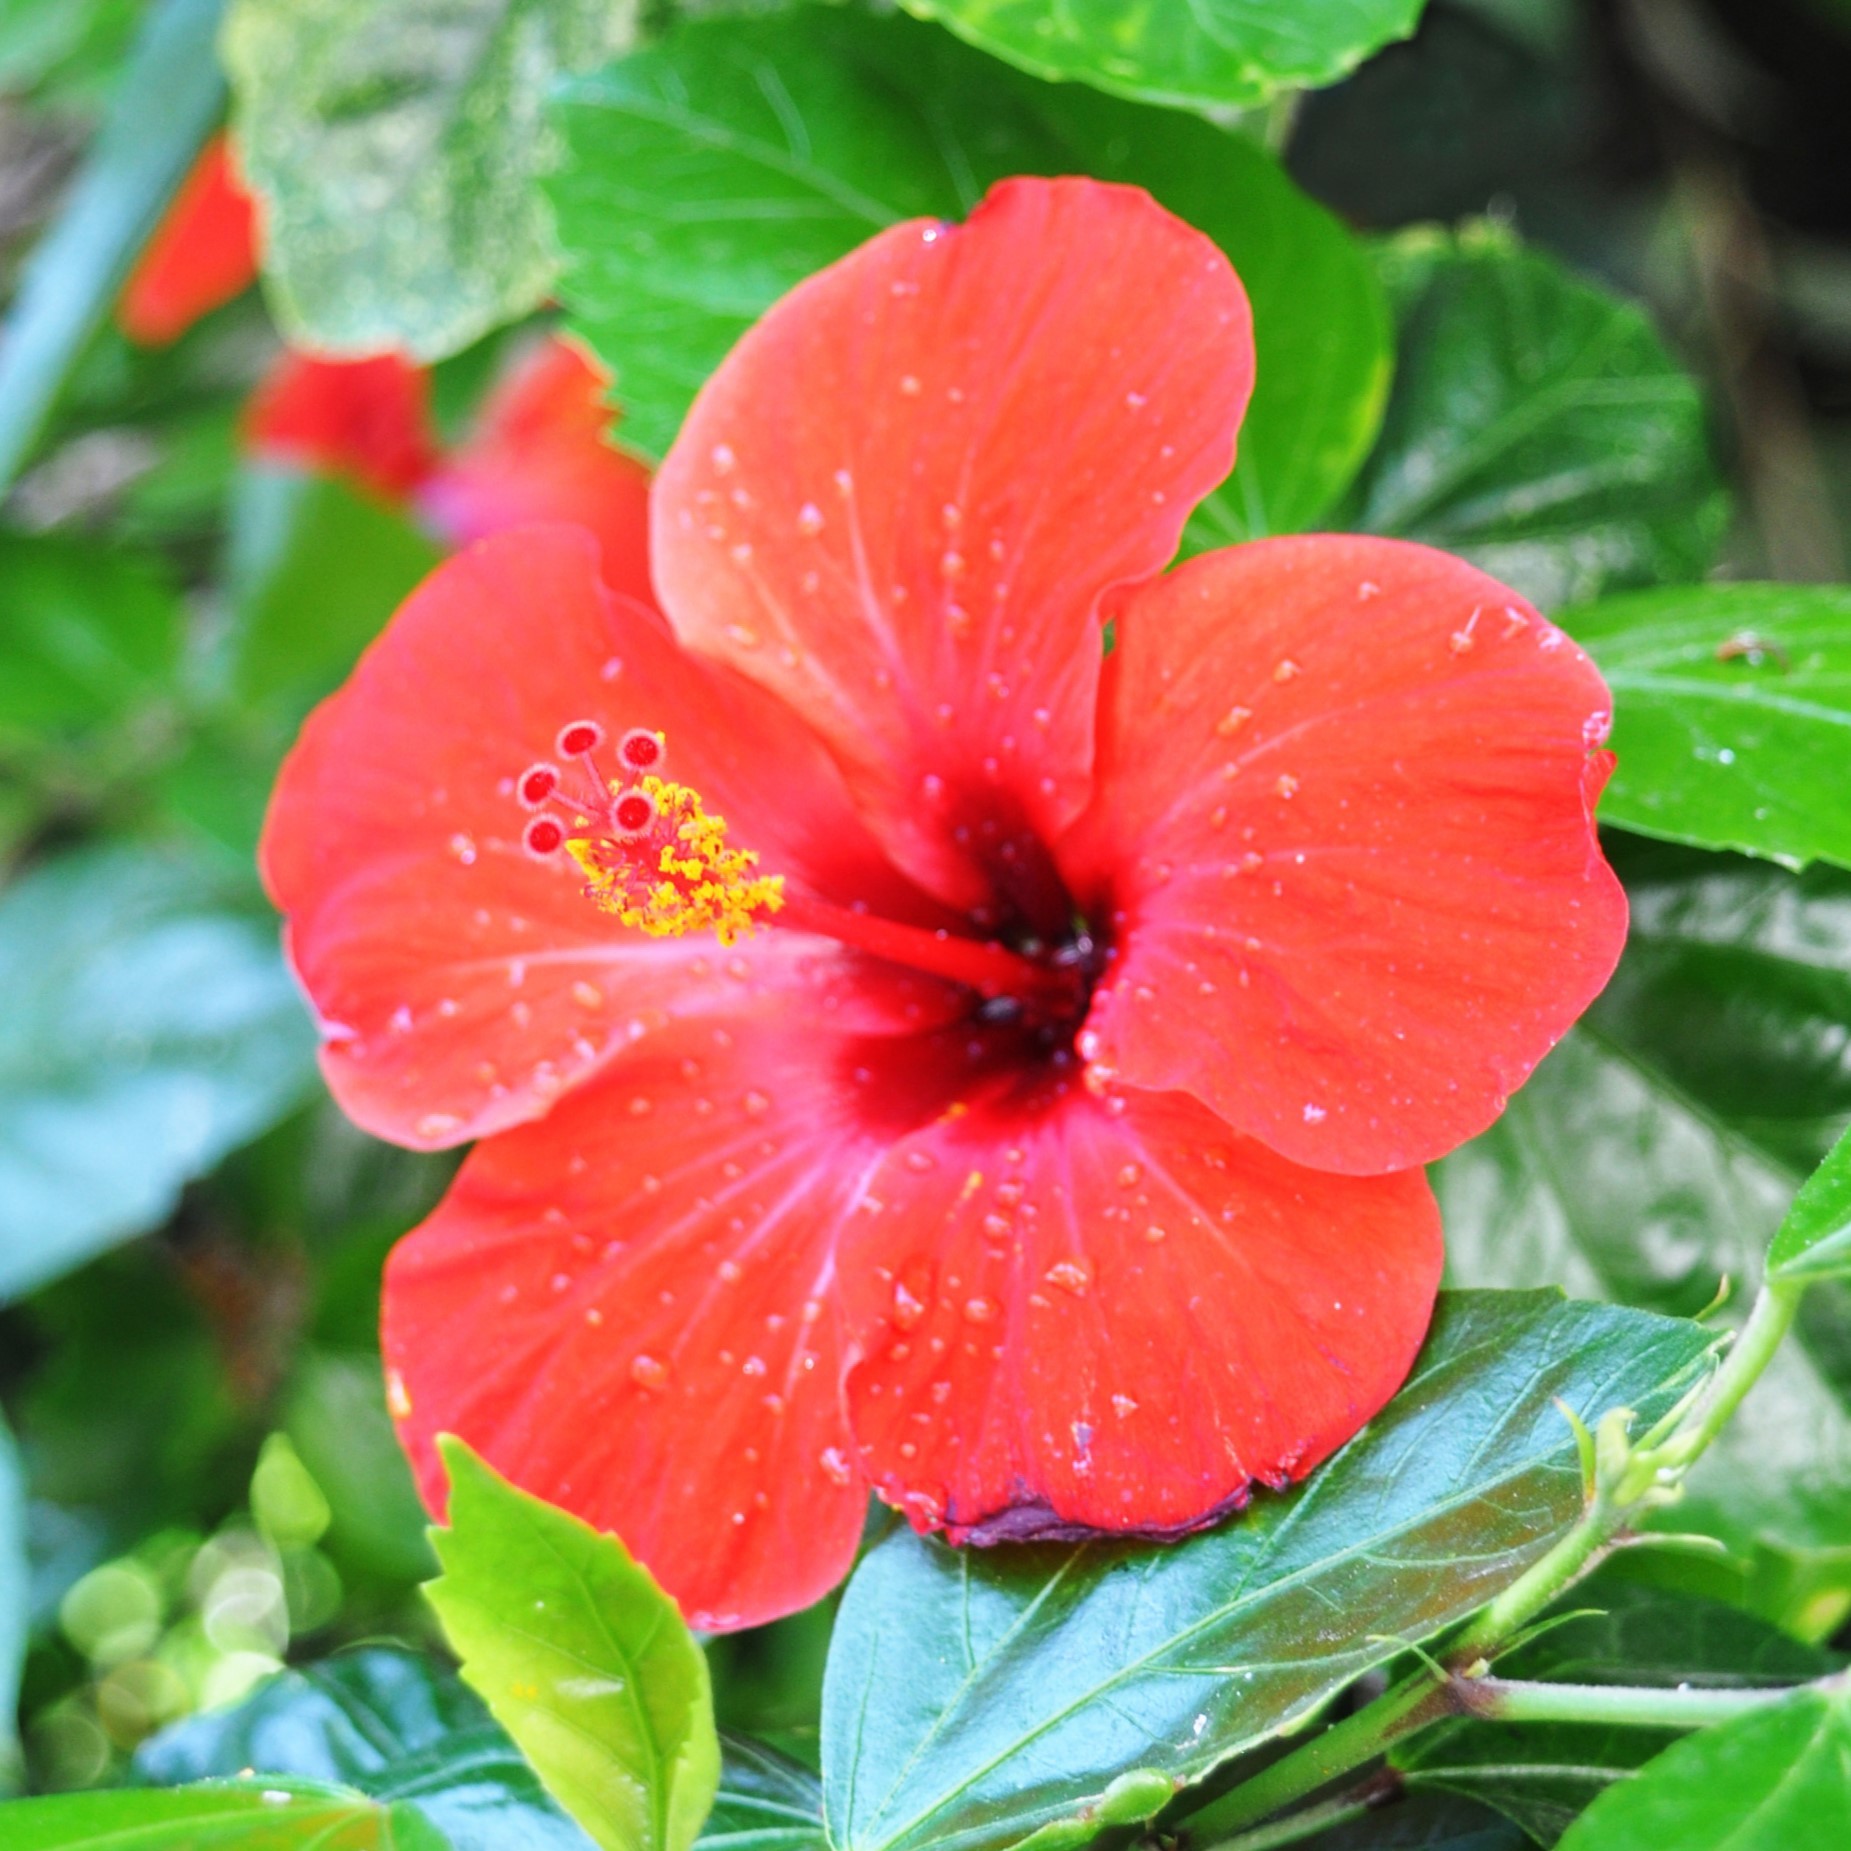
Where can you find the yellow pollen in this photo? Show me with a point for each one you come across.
(680, 875)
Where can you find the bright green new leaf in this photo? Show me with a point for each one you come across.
(396, 146)
(976, 1696)
(231, 1815)
(158, 117)
(709, 174)
(1814, 1242)
(1198, 54)
(1658, 1149)
(147, 1027)
(581, 1657)
(1537, 426)
(1732, 715)
(1774, 1780)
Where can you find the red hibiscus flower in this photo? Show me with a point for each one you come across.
(1014, 1103)
(539, 448)
(202, 254)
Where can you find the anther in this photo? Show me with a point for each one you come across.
(642, 750)
(633, 812)
(538, 782)
(580, 737)
(543, 836)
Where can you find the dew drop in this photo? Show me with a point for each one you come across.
(587, 995)
(464, 849)
(809, 518)
(1123, 1406)
(907, 1310)
(438, 1124)
(647, 1373)
(1286, 785)
(723, 459)
(979, 1310)
(398, 1396)
(1071, 1276)
(835, 1465)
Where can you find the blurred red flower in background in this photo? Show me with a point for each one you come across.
(202, 254)
(1035, 1137)
(538, 448)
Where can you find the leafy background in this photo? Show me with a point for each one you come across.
(1561, 286)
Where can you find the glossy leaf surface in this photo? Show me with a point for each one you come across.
(388, 1724)
(1537, 426)
(232, 1815)
(15, 1594)
(1732, 715)
(395, 145)
(973, 1697)
(1659, 1147)
(765, 1802)
(142, 1016)
(799, 136)
(581, 1658)
(1775, 1780)
(1171, 51)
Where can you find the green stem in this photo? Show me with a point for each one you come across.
(1674, 1707)
(1775, 1308)
(1627, 1481)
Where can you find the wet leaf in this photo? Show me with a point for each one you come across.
(1537, 426)
(581, 1657)
(387, 1723)
(710, 173)
(1732, 715)
(1775, 1780)
(1171, 51)
(231, 1815)
(396, 145)
(765, 1802)
(15, 1600)
(142, 1014)
(976, 1696)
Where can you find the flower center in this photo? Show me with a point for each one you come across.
(654, 858)
(650, 853)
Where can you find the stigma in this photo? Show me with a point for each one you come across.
(650, 853)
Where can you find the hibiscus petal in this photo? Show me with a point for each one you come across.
(541, 451)
(202, 254)
(462, 984)
(628, 1310)
(1346, 835)
(900, 498)
(367, 420)
(1116, 1313)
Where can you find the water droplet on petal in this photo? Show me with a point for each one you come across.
(647, 1373)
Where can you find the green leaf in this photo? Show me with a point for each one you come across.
(581, 1657)
(395, 145)
(231, 1815)
(142, 1017)
(156, 122)
(15, 1591)
(315, 570)
(1774, 1780)
(711, 173)
(1814, 1242)
(765, 1802)
(1732, 715)
(1541, 1775)
(387, 1723)
(975, 1696)
(1193, 53)
(85, 635)
(1658, 1148)
(1537, 426)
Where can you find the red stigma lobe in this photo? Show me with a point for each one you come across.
(580, 737)
(642, 750)
(633, 812)
(537, 784)
(544, 836)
